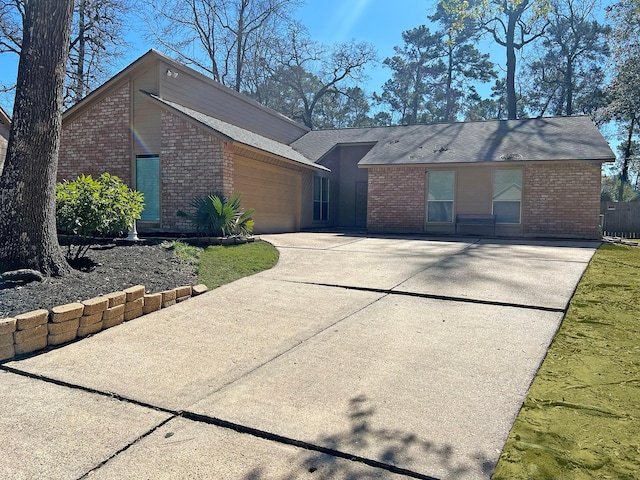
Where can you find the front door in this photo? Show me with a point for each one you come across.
(361, 204)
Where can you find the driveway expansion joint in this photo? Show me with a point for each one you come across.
(126, 447)
(254, 432)
(432, 296)
(112, 395)
(194, 417)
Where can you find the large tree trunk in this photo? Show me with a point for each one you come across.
(78, 73)
(27, 186)
(624, 173)
(568, 82)
(512, 106)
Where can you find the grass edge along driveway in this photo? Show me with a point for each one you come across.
(581, 417)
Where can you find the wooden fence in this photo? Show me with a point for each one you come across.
(620, 219)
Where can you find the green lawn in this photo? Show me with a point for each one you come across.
(224, 264)
(581, 419)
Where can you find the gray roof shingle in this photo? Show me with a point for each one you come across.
(556, 138)
(241, 135)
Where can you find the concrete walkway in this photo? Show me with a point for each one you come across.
(354, 358)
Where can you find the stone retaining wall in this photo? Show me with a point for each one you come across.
(39, 329)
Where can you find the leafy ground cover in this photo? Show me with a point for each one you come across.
(220, 265)
(581, 418)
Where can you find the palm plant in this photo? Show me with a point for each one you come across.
(215, 216)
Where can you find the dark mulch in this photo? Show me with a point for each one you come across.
(109, 268)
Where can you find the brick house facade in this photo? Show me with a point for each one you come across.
(553, 206)
(396, 199)
(197, 131)
(192, 161)
(537, 177)
(99, 140)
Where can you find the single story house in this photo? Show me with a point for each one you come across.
(174, 134)
(5, 126)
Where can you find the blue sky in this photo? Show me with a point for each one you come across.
(379, 22)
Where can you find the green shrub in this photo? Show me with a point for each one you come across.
(87, 207)
(215, 216)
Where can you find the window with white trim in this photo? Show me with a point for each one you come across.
(320, 198)
(440, 196)
(507, 195)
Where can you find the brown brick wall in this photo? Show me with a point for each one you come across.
(99, 140)
(192, 164)
(396, 199)
(561, 199)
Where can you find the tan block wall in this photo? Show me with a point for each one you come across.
(396, 199)
(99, 140)
(552, 205)
(192, 164)
(43, 327)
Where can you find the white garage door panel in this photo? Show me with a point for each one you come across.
(273, 192)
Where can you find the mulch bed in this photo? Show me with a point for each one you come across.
(107, 268)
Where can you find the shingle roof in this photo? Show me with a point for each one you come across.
(240, 135)
(557, 138)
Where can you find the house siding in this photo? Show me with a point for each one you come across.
(192, 164)
(146, 114)
(396, 199)
(4, 141)
(99, 140)
(561, 199)
(192, 91)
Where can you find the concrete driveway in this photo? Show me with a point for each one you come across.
(354, 358)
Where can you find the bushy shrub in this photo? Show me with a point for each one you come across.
(215, 216)
(87, 207)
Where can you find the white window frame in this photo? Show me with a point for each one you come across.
(493, 194)
(452, 201)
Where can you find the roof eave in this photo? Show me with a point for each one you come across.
(226, 137)
(481, 162)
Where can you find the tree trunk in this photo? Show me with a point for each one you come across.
(448, 115)
(240, 45)
(27, 186)
(82, 41)
(512, 112)
(568, 82)
(624, 174)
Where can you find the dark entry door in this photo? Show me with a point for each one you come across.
(361, 204)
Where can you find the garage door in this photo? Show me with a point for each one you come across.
(272, 191)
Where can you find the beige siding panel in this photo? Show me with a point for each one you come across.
(192, 92)
(3, 146)
(474, 190)
(147, 123)
(272, 191)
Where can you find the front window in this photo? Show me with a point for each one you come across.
(440, 196)
(148, 182)
(320, 198)
(507, 195)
